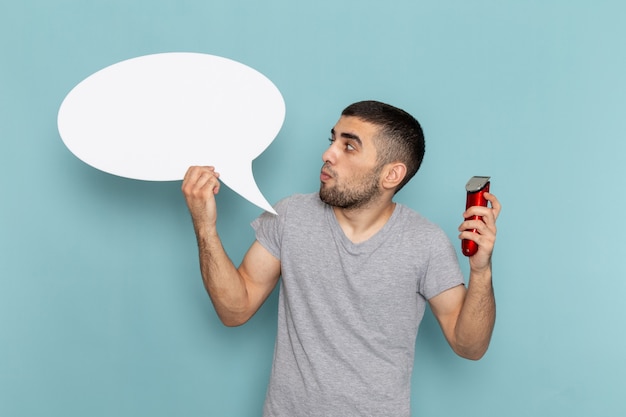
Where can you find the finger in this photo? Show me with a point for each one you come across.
(478, 211)
(485, 226)
(215, 185)
(207, 181)
(200, 180)
(477, 225)
(200, 175)
(195, 171)
(191, 175)
(485, 240)
(495, 204)
(487, 214)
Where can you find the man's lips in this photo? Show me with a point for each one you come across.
(325, 175)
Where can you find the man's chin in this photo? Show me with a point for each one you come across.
(323, 195)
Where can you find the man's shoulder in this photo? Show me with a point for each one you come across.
(413, 222)
(309, 201)
(412, 216)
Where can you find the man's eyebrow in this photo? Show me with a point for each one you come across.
(347, 135)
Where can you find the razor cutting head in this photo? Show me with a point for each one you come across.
(476, 184)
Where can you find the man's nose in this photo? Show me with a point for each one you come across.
(329, 154)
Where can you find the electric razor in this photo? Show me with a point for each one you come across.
(476, 188)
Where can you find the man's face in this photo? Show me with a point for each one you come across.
(350, 175)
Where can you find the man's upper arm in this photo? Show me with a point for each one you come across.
(446, 307)
(261, 271)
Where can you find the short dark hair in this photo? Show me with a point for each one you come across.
(400, 137)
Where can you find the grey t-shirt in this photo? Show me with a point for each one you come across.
(349, 313)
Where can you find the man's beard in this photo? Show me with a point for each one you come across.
(354, 196)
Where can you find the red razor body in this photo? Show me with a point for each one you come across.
(476, 188)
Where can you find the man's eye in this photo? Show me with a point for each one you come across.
(348, 145)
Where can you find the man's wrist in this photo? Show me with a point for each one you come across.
(481, 274)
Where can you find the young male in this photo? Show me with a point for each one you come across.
(357, 271)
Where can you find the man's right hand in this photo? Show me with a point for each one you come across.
(200, 185)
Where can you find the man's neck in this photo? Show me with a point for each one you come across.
(360, 224)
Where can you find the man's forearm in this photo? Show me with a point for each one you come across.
(221, 279)
(477, 318)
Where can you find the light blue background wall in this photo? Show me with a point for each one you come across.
(102, 311)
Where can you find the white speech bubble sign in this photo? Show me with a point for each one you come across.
(151, 117)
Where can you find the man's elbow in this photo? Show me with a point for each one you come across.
(472, 356)
(233, 323)
(234, 320)
(472, 353)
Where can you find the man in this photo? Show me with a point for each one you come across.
(357, 270)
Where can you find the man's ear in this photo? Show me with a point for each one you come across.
(393, 174)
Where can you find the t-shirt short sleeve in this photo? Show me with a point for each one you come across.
(443, 267)
(268, 228)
